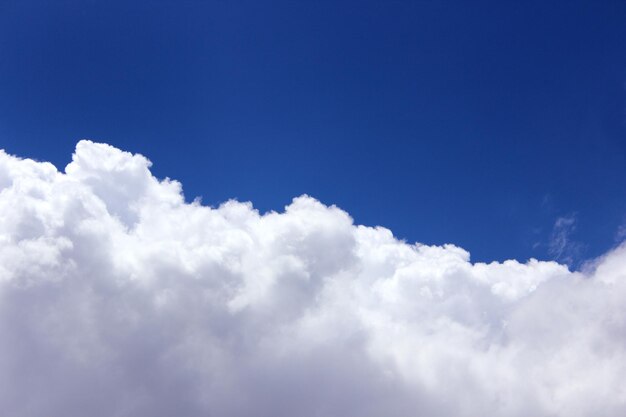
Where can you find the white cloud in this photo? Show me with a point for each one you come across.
(620, 234)
(119, 299)
(561, 246)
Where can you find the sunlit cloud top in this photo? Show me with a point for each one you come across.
(118, 298)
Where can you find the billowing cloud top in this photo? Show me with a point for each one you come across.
(117, 298)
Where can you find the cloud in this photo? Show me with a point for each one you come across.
(117, 298)
(561, 246)
(620, 234)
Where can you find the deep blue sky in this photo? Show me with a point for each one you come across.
(477, 123)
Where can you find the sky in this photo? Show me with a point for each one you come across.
(312, 208)
(497, 126)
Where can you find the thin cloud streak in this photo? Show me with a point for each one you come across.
(562, 247)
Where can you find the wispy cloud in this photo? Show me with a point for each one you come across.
(620, 234)
(562, 247)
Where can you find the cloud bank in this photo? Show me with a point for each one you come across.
(117, 298)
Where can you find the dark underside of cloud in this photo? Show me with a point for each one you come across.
(117, 298)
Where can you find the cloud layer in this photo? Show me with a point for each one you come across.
(117, 298)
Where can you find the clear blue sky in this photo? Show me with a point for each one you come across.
(477, 123)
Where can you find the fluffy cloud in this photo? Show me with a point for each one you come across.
(117, 298)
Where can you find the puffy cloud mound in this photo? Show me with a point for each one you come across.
(117, 298)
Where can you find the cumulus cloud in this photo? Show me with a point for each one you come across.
(118, 298)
